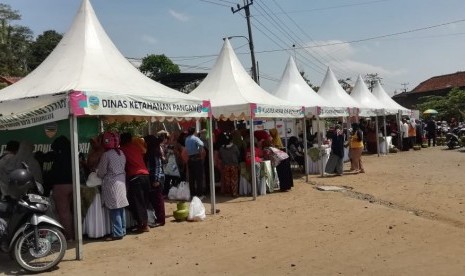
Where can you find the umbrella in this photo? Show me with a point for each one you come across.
(430, 111)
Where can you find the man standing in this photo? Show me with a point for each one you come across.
(195, 164)
(405, 139)
(431, 129)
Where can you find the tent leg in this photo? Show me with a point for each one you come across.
(76, 186)
(385, 135)
(252, 158)
(319, 145)
(212, 167)
(305, 148)
(377, 135)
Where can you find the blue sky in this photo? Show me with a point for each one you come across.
(190, 32)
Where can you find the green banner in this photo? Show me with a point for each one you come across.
(42, 136)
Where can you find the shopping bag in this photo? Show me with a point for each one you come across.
(196, 210)
(172, 193)
(183, 192)
(93, 180)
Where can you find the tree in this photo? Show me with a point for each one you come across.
(42, 47)
(314, 87)
(14, 43)
(345, 84)
(370, 80)
(157, 66)
(450, 106)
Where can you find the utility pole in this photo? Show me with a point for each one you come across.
(405, 86)
(245, 7)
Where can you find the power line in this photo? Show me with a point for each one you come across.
(337, 7)
(372, 38)
(211, 2)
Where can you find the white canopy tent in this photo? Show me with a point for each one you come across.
(294, 88)
(372, 106)
(234, 95)
(332, 92)
(391, 106)
(87, 75)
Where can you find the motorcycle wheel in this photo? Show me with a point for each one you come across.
(52, 248)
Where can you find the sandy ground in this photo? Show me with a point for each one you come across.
(405, 216)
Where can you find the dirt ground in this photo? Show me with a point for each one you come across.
(404, 216)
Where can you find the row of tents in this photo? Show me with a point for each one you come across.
(86, 75)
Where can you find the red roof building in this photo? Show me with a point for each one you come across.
(435, 86)
(9, 80)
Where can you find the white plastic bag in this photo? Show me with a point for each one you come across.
(183, 192)
(93, 180)
(152, 218)
(196, 210)
(172, 193)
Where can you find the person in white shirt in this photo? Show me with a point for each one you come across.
(405, 139)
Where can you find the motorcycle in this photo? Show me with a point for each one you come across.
(452, 140)
(34, 240)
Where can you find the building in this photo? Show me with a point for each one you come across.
(6, 80)
(435, 86)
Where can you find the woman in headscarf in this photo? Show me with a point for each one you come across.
(111, 169)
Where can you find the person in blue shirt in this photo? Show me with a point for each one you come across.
(194, 147)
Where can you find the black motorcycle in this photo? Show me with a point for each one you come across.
(34, 240)
(452, 140)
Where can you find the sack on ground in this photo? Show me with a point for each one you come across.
(183, 192)
(196, 210)
(93, 180)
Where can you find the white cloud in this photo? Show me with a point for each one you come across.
(149, 39)
(179, 16)
(343, 56)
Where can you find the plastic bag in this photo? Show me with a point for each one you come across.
(196, 210)
(151, 218)
(183, 192)
(171, 168)
(93, 180)
(172, 193)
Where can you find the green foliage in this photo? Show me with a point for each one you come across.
(157, 66)
(136, 128)
(370, 80)
(314, 87)
(42, 47)
(14, 43)
(450, 106)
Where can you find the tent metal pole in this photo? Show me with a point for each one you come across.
(305, 147)
(252, 159)
(285, 133)
(212, 167)
(399, 130)
(76, 186)
(377, 135)
(385, 134)
(319, 145)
